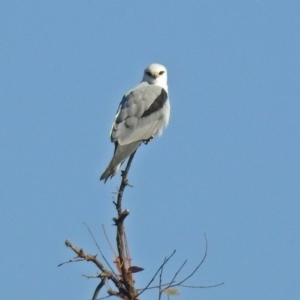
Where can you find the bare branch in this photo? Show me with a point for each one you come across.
(123, 279)
(124, 182)
(98, 288)
(88, 257)
(119, 222)
(165, 261)
(124, 282)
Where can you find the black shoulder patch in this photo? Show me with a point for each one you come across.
(157, 104)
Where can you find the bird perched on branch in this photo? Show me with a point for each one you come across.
(143, 112)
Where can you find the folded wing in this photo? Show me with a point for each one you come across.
(143, 113)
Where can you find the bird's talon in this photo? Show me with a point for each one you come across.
(147, 141)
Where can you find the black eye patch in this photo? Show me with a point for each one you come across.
(149, 73)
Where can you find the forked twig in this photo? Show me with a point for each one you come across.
(165, 261)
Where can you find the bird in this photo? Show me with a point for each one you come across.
(143, 112)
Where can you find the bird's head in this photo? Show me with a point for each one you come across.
(156, 74)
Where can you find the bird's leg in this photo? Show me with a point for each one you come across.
(148, 140)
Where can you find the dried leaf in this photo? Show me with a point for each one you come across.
(135, 269)
(172, 292)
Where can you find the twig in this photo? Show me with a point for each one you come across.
(174, 277)
(105, 234)
(98, 288)
(202, 286)
(172, 284)
(165, 261)
(197, 267)
(70, 261)
(160, 281)
(88, 257)
(92, 235)
(105, 297)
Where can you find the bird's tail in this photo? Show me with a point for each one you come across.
(121, 153)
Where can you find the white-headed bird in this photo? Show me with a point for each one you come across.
(143, 112)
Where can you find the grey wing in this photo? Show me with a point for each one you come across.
(142, 113)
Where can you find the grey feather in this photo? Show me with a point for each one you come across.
(121, 153)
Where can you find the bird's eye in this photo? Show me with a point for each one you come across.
(148, 73)
(161, 72)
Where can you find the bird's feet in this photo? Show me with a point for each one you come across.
(147, 141)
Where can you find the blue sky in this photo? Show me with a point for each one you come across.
(228, 164)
